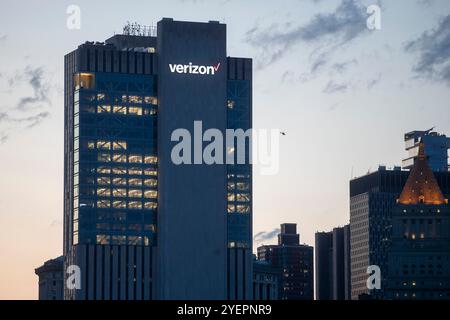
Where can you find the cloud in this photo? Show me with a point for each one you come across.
(266, 235)
(341, 67)
(3, 138)
(373, 82)
(326, 31)
(35, 78)
(3, 38)
(333, 87)
(433, 49)
(29, 121)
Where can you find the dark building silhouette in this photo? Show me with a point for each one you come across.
(266, 281)
(295, 262)
(51, 279)
(332, 264)
(137, 224)
(372, 201)
(419, 252)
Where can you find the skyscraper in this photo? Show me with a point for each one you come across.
(295, 262)
(436, 148)
(138, 224)
(372, 200)
(332, 264)
(419, 253)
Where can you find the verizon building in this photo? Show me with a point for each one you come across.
(138, 224)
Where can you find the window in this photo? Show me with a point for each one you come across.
(121, 158)
(104, 157)
(151, 159)
(134, 159)
(135, 205)
(91, 145)
(117, 204)
(119, 192)
(83, 80)
(231, 208)
(135, 182)
(230, 104)
(150, 194)
(242, 185)
(135, 110)
(103, 204)
(103, 192)
(119, 170)
(150, 182)
(243, 197)
(151, 100)
(120, 109)
(103, 145)
(135, 171)
(119, 145)
(135, 193)
(243, 208)
(103, 180)
(135, 99)
(230, 197)
(150, 205)
(102, 239)
(104, 170)
(150, 172)
(103, 109)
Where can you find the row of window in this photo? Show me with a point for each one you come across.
(119, 204)
(239, 197)
(129, 171)
(240, 208)
(123, 158)
(122, 99)
(103, 181)
(132, 193)
(241, 186)
(122, 240)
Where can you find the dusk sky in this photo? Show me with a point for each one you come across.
(344, 95)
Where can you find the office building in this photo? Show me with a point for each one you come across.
(332, 264)
(419, 252)
(295, 262)
(436, 148)
(266, 280)
(51, 279)
(372, 200)
(137, 223)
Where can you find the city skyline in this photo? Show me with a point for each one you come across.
(330, 137)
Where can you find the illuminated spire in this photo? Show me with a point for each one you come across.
(421, 186)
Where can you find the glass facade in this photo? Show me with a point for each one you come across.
(115, 161)
(239, 176)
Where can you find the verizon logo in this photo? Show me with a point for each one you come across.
(193, 69)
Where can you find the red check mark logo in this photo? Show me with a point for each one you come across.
(216, 68)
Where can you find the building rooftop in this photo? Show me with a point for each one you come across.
(421, 186)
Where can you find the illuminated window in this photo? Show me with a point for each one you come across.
(243, 197)
(121, 158)
(150, 111)
(230, 104)
(120, 109)
(150, 172)
(151, 159)
(151, 182)
(150, 205)
(135, 193)
(151, 100)
(83, 80)
(119, 145)
(231, 185)
(135, 110)
(118, 240)
(242, 186)
(150, 194)
(135, 171)
(119, 170)
(134, 159)
(135, 99)
(91, 145)
(119, 204)
(103, 192)
(103, 204)
(103, 239)
(150, 227)
(103, 145)
(103, 109)
(104, 157)
(101, 96)
(119, 192)
(135, 182)
(242, 208)
(135, 205)
(230, 197)
(103, 180)
(104, 170)
(231, 208)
